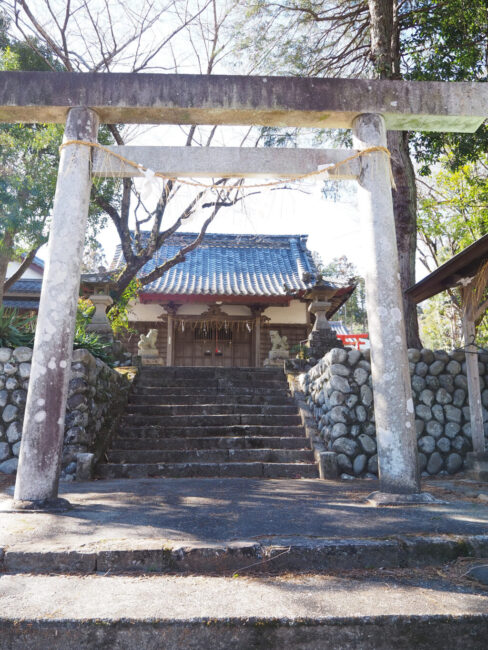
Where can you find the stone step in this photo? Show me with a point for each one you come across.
(243, 391)
(211, 409)
(210, 420)
(207, 470)
(210, 398)
(161, 382)
(163, 432)
(209, 371)
(212, 442)
(62, 612)
(152, 456)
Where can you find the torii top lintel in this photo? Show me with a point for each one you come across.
(224, 99)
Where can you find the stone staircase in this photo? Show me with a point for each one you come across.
(210, 422)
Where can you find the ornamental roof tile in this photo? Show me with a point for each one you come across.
(238, 265)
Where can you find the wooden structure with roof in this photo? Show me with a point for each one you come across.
(216, 307)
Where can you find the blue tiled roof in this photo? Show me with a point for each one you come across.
(238, 265)
(26, 286)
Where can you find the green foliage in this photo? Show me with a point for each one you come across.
(118, 314)
(453, 213)
(94, 343)
(16, 329)
(353, 312)
(300, 351)
(448, 41)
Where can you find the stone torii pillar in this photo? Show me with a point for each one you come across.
(394, 409)
(37, 481)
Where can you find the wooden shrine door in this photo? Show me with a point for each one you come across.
(223, 344)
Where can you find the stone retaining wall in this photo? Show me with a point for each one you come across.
(96, 399)
(339, 392)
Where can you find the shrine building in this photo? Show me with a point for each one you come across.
(217, 308)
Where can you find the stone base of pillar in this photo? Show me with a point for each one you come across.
(386, 499)
(43, 505)
(477, 466)
(322, 341)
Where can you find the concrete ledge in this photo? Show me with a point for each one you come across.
(367, 633)
(248, 557)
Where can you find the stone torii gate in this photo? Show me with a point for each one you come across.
(82, 101)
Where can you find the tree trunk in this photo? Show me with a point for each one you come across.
(5, 255)
(385, 54)
(405, 210)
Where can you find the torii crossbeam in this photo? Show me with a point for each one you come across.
(368, 107)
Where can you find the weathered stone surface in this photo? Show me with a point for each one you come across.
(339, 414)
(19, 397)
(22, 354)
(9, 413)
(373, 464)
(338, 355)
(9, 466)
(366, 395)
(360, 376)
(418, 383)
(459, 397)
(446, 382)
(419, 426)
(4, 450)
(353, 356)
(435, 429)
(422, 461)
(359, 464)
(435, 463)
(453, 414)
(355, 430)
(426, 444)
(9, 368)
(339, 369)
(432, 382)
(461, 382)
(423, 412)
(436, 368)
(351, 401)
(427, 356)
(459, 443)
(443, 397)
(14, 432)
(24, 370)
(367, 443)
(427, 397)
(484, 398)
(5, 355)
(77, 402)
(451, 429)
(364, 364)
(11, 383)
(16, 448)
(3, 398)
(340, 383)
(336, 398)
(413, 355)
(441, 355)
(421, 369)
(453, 367)
(361, 413)
(444, 445)
(344, 463)
(345, 446)
(454, 463)
(338, 431)
(438, 413)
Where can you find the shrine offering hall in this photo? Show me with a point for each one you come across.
(217, 308)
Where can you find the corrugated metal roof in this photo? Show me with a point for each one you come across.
(238, 265)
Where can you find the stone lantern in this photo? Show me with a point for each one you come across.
(322, 338)
(96, 287)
